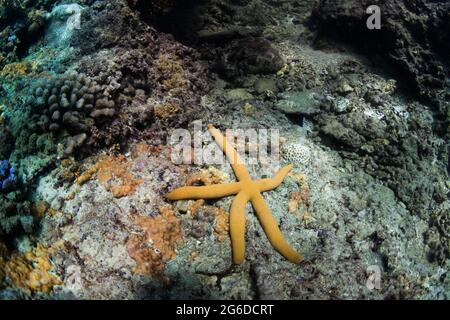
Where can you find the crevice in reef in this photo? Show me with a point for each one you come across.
(182, 21)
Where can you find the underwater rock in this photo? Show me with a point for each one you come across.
(238, 95)
(229, 34)
(63, 20)
(152, 7)
(299, 102)
(250, 56)
(438, 236)
(265, 85)
(369, 186)
(333, 128)
(413, 40)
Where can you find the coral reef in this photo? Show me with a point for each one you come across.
(20, 21)
(105, 25)
(91, 92)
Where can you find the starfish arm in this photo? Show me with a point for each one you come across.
(233, 156)
(272, 183)
(205, 192)
(237, 226)
(272, 231)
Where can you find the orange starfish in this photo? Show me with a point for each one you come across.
(245, 190)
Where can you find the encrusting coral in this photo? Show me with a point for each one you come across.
(300, 197)
(113, 174)
(245, 190)
(111, 168)
(156, 245)
(222, 225)
(31, 271)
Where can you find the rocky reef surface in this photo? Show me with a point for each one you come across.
(91, 91)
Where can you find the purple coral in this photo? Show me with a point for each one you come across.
(8, 177)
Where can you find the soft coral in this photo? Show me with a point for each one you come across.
(8, 176)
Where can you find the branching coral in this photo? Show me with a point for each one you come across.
(74, 102)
